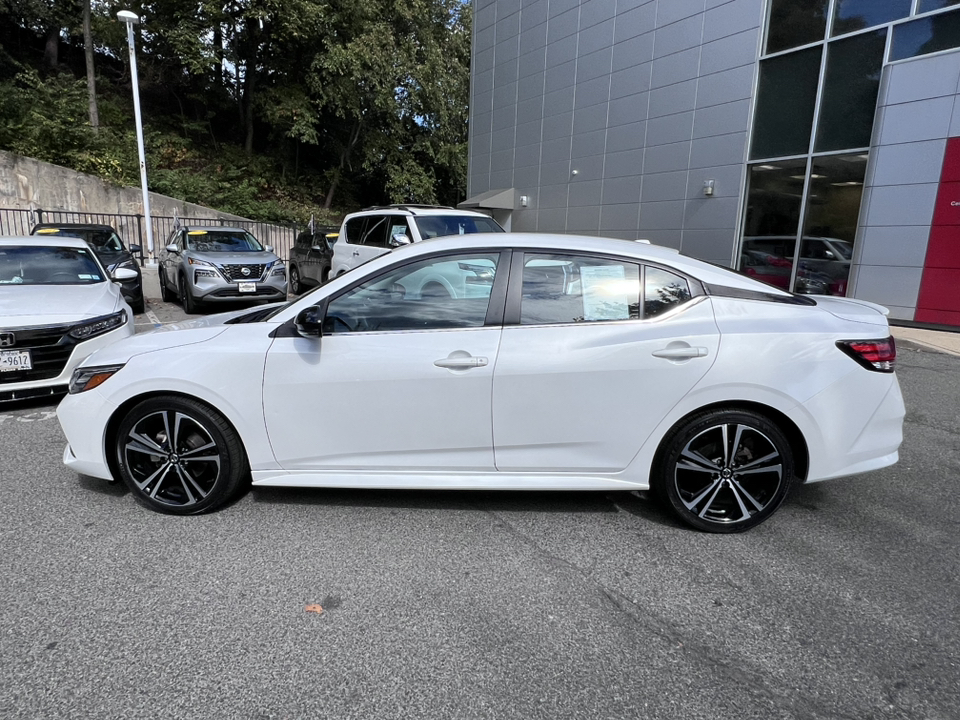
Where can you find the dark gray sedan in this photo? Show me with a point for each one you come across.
(219, 264)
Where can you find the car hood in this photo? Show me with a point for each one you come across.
(855, 310)
(28, 305)
(112, 258)
(222, 258)
(120, 352)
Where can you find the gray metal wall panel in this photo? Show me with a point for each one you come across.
(674, 10)
(679, 36)
(626, 137)
(585, 193)
(665, 186)
(670, 129)
(684, 65)
(666, 158)
(673, 99)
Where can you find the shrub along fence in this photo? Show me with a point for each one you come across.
(132, 228)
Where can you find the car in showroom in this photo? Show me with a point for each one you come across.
(219, 264)
(374, 231)
(551, 363)
(311, 258)
(57, 305)
(824, 262)
(108, 246)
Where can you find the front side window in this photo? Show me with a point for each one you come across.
(578, 289)
(447, 292)
(442, 225)
(48, 266)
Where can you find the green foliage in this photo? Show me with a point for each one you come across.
(265, 108)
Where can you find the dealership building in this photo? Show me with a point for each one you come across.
(813, 144)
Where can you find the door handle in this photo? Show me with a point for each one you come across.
(356, 253)
(680, 353)
(461, 363)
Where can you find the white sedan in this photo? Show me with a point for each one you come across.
(57, 305)
(547, 362)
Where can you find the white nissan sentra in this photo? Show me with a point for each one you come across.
(547, 362)
(57, 305)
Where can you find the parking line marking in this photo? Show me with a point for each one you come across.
(152, 317)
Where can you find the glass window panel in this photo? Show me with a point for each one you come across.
(663, 290)
(439, 293)
(772, 221)
(796, 22)
(852, 15)
(786, 96)
(928, 5)
(833, 210)
(576, 289)
(927, 35)
(850, 89)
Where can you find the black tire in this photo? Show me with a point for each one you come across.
(189, 303)
(295, 285)
(325, 275)
(165, 293)
(139, 307)
(169, 476)
(724, 471)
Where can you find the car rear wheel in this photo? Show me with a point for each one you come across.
(179, 456)
(139, 307)
(295, 287)
(724, 471)
(186, 297)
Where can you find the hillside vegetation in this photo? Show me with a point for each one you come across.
(271, 109)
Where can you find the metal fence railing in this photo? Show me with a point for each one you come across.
(132, 228)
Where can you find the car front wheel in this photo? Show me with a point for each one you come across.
(295, 287)
(724, 471)
(179, 456)
(187, 300)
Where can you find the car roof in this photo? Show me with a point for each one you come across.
(214, 228)
(73, 226)
(640, 251)
(34, 241)
(416, 211)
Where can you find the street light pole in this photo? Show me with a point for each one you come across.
(131, 19)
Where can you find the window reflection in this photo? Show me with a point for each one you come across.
(927, 35)
(852, 15)
(796, 22)
(833, 209)
(928, 5)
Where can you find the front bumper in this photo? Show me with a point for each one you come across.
(218, 289)
(83, 418)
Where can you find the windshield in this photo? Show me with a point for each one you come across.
(431, 226)
(21, 265)
(222, 241)
(100, 240)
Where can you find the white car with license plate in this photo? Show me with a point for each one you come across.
(57, 305)
(549, 362)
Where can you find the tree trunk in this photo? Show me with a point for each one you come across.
(91, 75)
(249, 82)
(344, 162)
(51, 50)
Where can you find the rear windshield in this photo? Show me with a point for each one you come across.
(48, 266)
(100, 240)
(220, 241)
(431, 226)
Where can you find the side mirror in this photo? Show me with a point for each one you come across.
(121, 274)
(268, 248)
(135, 249)
(309, 322)
(317, 247)
(399, 239)
(172, 248)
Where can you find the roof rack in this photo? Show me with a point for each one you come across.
(411, 207)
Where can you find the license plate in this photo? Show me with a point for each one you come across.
(247, 287)
(11, 360)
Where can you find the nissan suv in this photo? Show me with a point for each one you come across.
(374, 231)
(219, 264)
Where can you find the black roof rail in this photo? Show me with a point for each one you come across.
(410, 207)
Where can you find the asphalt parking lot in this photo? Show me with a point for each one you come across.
(483, 605)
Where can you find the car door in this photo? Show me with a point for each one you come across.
(398, 382)
(170, 260)
(594, 352)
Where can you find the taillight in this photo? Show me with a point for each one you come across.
(879, 355)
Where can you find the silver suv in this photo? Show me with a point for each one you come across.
(219, 264)
(374, 231)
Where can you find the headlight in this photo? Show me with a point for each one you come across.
(87, 378)
(99, 325)
(194, 261)
(279, 270)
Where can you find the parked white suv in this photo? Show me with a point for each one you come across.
(376, 230)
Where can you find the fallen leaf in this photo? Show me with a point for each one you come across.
(318, 609)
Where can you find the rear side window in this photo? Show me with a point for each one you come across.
(663, 290)
(578, 289)
(375, 234)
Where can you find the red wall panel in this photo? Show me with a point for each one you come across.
(939, 298)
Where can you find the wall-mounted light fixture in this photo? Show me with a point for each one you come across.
(524, 199)
(708, 187)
